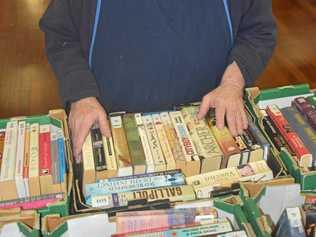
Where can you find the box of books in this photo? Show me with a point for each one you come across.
(15, 222)
(157, 151)
(286, 117)
(35, 163)
(192, 218)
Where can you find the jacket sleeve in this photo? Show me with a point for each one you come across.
(255, 36)
(64, 52)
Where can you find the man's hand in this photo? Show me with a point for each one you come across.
(227, 99)
(83, 114)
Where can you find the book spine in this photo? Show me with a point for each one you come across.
(109, 153)
(255, 171)
(159, 160)
(134, 143)
(87, 154)
(218, 177)
(245, 152)
(124, 161)
(34, 202)
(202, 137)
(257, 134)
(302, 153)
(256, 151)
(34, 150)
(54, 155)
(120, 185)
(166, 149)
(144, 139)
(188, 147)
(225, 141)
(173, 194)
(98, 150)
(175, 144)
(302, 128)
(2, 136)
(61, 154)
(276, 138)
(19, 160)
(307, 110)
(45, 161)
(9, 153)
(26, 160)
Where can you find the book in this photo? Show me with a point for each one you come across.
(163, 140)
(203, 139)
(209, 229)
(204, 183)
(173, 194)
(276, 137)
(150, 166)
(290, 223)
(135, 182)
(259, 137)
(45, 162)
(9, 153)
(306, 109)
(303, 155)
(89, 175)
(26, 160)
(226, 142)
(244, 150)
(20, 185)
(175, 145)
(134, 144)
(302, 128)
(98, 149)
(54, 155)
(124, 161)
(256, 151)
(188, 148)
(2, 135)
(34, 164)
(109, 154)
(156, 151)
(61, 155)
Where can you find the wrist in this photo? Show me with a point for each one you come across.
(233, 77)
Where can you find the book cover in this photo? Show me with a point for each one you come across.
(98, 149)
(124, 161)
(88, 161)
(134, 144)
(109, 153)
(26, 160)
(45, 161)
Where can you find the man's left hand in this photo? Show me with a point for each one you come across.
(227, 99)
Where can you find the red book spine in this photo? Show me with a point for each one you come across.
(294, 141)
(45, 161)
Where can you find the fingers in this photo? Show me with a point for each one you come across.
(206, 103)
(104, 125)
(220, 111)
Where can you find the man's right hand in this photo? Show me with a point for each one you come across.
(83, 114)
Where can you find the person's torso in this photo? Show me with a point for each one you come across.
(150, 55)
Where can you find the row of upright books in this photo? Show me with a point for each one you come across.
(152, 142)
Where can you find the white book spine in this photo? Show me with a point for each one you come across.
(19, 160)
(166, 149)
(188, 147)
(9, 153)
(34, 151)
(87, 154)
(26, 160)
(144, 139)
(159, 160)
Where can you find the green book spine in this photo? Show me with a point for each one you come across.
(284, 91)
(134, 143)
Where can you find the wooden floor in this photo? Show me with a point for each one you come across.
(28, 86)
